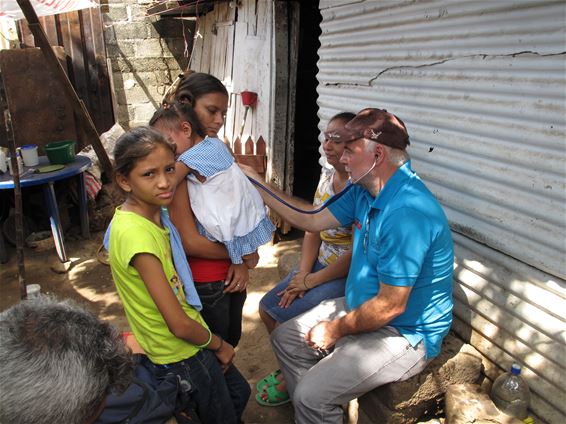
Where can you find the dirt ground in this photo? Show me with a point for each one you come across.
(89, 282)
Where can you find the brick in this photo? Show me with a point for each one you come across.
(130, 31)
(131, 64)
(124, 48)
(116, 14)
(139, 94)
(152, 48)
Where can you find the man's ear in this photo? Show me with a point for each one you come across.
(378, 150)
(123, 183)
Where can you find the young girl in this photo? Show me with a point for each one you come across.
(172, 333)
(216, 182)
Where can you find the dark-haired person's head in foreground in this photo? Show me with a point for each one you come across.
(57, 363)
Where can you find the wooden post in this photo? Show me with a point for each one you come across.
(81, 112)
(19, 218)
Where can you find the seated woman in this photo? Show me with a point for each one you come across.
(322, 270)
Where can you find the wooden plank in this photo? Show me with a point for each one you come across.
(100, 102)
(237, 146)
(50, 24)
(49, 117)
(249, 146)
(79, 107)
(26, 36)
(259, 163)
(260, 147)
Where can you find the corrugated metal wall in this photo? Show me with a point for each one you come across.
(481, 87)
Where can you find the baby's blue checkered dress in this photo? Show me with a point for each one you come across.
(227, 206)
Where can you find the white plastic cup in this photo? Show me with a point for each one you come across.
(33, 291)
(29, 154)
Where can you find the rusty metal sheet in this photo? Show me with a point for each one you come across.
(41, 113)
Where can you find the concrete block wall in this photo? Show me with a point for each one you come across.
(145, 56)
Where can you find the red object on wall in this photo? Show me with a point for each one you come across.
(249, 98)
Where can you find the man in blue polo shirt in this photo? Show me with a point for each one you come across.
(398, 303)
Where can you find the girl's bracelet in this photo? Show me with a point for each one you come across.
(205, 345)
(305, 280)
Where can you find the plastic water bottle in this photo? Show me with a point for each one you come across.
(511, 394)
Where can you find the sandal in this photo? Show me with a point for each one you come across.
(274, 397)
(269, 380)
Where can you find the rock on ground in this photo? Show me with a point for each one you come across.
(468, 404)
(422, 395)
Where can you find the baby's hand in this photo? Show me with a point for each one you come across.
(251, 259)
(198, 176)
(250, 172)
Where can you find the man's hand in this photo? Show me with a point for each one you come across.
(237, 278)
(251, 259)
(323, 335)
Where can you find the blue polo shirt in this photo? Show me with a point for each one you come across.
(401, 238)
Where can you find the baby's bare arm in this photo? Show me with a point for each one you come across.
(181, 172)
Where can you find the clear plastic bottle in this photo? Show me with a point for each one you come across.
(511, 394)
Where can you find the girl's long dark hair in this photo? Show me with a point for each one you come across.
(136, 144)
(198, 84)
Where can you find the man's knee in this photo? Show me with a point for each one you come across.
(309, 395)
(303, 396)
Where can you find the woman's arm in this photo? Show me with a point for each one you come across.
(309, 251)
(194, 243)
(298, 286)
(337, 269)
(181, 326)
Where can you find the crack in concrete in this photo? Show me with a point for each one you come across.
(440, 62)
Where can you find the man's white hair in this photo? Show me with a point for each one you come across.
(395, 157)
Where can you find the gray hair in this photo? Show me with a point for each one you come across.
(57, 363)
(396, 157)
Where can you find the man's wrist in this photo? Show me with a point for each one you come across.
(338, 327)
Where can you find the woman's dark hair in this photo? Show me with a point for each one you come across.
(136, 144)
(343, 116)
(172, 114)
(198, 84)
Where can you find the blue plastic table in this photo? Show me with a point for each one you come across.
(47, 180)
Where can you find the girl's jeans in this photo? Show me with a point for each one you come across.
(222, 311)
(202, 376)
(223, 314)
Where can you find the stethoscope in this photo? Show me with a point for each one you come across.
(325, 205)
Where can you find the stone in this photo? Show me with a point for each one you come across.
(420, 396)
(468, 404)
(59, 267)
